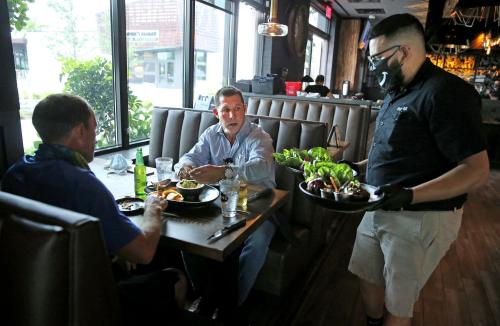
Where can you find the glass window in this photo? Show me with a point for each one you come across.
(319, 20)
(212, 47)
(154, 56)
(319, 50)
(248, 47)
(200, 65)
(68, 48)
(307, 62)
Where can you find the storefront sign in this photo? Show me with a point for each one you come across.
(143, 36)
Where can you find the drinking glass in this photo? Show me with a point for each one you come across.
(240, 161)
(164, 167)
(229, 189)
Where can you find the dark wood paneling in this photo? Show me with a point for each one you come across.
(347, 56)
(10, 125)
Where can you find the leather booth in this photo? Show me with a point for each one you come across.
(54, 267)
(175, 131)
(352, 117)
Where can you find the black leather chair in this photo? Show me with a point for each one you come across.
(54, 269)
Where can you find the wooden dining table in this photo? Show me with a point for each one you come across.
(188, 228)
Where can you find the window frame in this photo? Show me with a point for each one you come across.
(120, 65)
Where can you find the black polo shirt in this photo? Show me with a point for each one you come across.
(321, 89)
(425, 130)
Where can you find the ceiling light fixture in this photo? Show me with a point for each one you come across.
(272, 27)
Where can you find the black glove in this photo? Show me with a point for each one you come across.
(395, 197)
(352, 165)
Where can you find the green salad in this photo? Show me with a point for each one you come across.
(295, 158)
(316, 163)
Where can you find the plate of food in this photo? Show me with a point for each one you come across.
(178, 197)
(130, 205)
(350, 198)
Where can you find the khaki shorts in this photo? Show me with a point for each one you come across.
(399, 250)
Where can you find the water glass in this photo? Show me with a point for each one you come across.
(229, 189)
(163, 167)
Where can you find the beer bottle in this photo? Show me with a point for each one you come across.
(139, 174)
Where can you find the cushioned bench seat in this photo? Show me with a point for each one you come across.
(352, 117)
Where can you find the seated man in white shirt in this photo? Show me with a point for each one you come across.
(234, 136)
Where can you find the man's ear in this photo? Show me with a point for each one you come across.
(215, 112)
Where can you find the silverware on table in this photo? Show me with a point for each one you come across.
(168, 214)
(227, 229)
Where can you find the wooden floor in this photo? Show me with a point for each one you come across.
(464, 289)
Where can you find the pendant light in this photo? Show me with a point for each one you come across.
(272, 27)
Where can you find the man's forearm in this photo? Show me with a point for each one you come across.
(257, 169)
(468, 175)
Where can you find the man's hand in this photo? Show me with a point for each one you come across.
(154, 206)
(395, 197)
(207, 174)
(184, 172)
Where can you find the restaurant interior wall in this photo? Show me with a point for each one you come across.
(348, 57)
(11, 147)
(277, 52)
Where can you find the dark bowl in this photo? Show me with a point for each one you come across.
(190, 194)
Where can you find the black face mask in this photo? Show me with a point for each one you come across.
(389, 78)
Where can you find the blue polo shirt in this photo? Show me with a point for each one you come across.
(59, 183)
(425, 130)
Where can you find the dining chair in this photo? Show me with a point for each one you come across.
(54, 269)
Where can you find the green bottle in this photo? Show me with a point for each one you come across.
(139, 175)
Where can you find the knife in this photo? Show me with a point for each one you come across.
(256, 195)
(227, 229)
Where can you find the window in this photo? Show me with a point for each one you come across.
(200, 65)
(319, 50)
(20, 55)
(319, 20)
(212, 46)
(317, 43)
(154, 56)
(66, 42)
(249, 48)
(67, 47)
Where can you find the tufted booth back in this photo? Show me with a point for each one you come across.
(175, 131)
(351, 117)
(55, 270)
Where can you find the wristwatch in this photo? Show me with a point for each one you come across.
(228, 171)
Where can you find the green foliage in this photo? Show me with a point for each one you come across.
(18, 10)
(72, 42)
(139, 117)
(32, 149)
(93, 80)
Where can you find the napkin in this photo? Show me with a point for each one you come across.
(118, 164)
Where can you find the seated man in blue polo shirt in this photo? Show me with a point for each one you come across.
(58, 174)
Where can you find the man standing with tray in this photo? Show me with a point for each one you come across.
(427, 153)
(233, 137)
